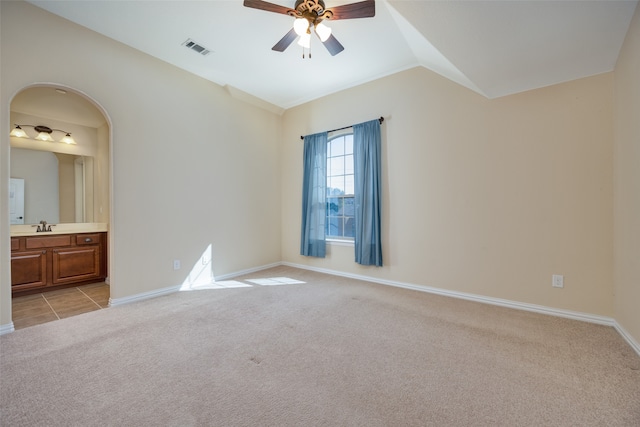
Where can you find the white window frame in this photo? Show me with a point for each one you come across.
(338, 240)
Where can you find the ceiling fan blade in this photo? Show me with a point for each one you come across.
(333, 45)
(269, 7)
(362, 9)
(285, 41)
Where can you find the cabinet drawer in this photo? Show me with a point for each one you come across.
(88, 239)
(48, 242)
(15, 244)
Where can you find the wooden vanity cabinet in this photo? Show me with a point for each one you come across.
(46, 262)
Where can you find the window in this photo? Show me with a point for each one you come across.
(340, 222)
(341, 192)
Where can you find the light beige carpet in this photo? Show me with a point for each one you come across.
(327, 352)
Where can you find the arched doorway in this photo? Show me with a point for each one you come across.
(81, 208)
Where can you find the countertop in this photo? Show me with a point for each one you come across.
(86, 227)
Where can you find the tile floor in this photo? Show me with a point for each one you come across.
(35, 309)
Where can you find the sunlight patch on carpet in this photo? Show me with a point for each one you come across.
(275, 281)
(223, 284)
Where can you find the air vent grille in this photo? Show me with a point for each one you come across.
(190, 44)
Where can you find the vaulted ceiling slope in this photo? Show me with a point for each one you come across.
(495, 48)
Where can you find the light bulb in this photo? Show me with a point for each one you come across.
(67, 139)
(300, 26)
(305, 40)
(323, 31)
(18, 132)
(44, 136)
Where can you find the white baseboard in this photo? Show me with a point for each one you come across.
(5, 329)
(586, 317)
(114, 302)
(628, 338)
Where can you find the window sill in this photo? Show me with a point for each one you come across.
(338, 242)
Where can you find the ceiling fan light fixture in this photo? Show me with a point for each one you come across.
(301, 25)
(305, 40)
(314, 12)
(323, 31)
(18, 132)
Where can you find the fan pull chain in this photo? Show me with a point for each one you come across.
(303, 54)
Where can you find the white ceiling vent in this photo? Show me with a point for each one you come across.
(190, 44)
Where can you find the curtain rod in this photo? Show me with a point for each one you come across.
(381, 119)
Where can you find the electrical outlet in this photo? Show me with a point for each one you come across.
(176, 264)
(557, 281)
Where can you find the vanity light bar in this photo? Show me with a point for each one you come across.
(44, 133)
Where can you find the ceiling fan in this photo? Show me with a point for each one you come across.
(310, 14)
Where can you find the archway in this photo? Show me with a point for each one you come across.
(58, 107)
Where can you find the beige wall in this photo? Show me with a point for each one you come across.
(627, 182)
(192, 166)
(489, 197)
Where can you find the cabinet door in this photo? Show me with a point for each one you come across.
(75, 264)
(28, 269)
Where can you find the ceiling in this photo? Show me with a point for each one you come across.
(495, 48)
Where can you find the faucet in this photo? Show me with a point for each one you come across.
(43, 227)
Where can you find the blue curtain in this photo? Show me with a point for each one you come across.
(314, 194)
(367, 170)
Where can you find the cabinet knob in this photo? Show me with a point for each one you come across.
(88, 239)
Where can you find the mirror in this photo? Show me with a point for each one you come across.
(56, 187)
(56, 182)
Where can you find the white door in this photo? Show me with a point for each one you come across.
(16, 200)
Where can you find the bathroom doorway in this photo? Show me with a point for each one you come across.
(66, 184)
